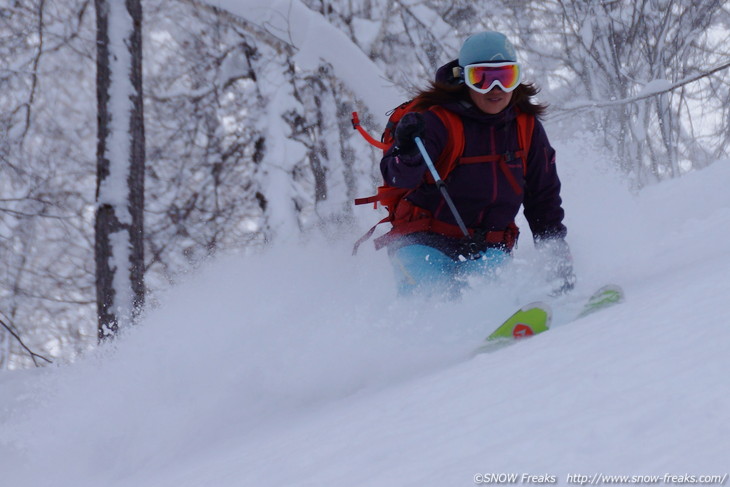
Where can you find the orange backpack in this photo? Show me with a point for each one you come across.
(390, 196)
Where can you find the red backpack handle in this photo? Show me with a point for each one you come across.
(371, 140)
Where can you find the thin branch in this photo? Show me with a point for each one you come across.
(34, 72)
(32, 354)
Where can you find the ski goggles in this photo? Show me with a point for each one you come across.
(482, 77)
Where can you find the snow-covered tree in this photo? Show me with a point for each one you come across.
(119, 235)
(611, 54)
(47, 124)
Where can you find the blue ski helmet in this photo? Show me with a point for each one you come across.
(487, 47)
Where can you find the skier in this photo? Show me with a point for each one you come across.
(487, 184)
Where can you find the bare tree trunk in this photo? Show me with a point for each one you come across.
(120, 166)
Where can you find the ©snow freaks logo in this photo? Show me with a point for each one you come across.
(522, 330)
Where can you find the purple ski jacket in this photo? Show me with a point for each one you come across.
(481, 192)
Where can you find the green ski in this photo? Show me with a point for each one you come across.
(530, 320)
(603, 298)
(535, 318)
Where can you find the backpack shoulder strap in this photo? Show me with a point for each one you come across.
(454, 141)
(525, 127)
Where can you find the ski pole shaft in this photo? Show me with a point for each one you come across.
(442, 186)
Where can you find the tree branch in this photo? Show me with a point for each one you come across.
(573, 107)
(32, 354)
(34, 72)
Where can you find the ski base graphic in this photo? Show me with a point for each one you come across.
(528, 321)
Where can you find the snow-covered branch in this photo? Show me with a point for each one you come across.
(315, 41)
(653, 88)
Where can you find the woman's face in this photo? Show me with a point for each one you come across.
(491, 102)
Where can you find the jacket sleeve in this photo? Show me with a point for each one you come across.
(408, 170)
(543, 205)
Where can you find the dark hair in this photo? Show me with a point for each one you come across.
(443, 93)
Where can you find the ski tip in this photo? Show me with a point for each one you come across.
(615, 292)
(537, 305)
(611, 288)
(541, 305)
(606, 296)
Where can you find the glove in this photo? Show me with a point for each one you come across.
(559, 265)
(409, 127)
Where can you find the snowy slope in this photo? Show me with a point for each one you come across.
(297, 367)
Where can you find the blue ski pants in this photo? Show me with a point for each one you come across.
(423, 269)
